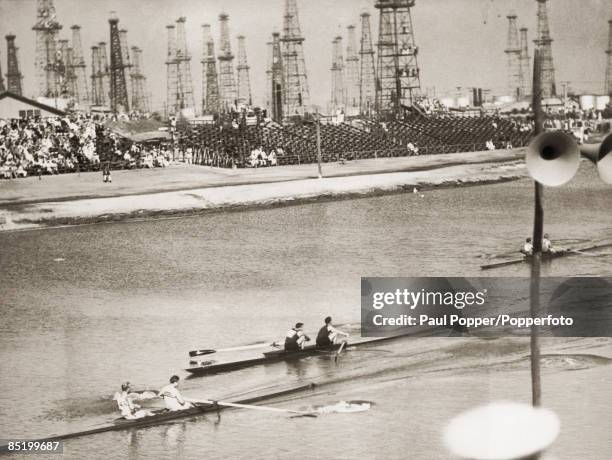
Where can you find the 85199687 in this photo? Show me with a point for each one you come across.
(26, 446)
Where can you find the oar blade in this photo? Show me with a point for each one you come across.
(201, 352)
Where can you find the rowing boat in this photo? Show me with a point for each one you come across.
(163, 416)
(209, 367)
(545, 256)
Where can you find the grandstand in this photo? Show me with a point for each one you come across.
(296, 143)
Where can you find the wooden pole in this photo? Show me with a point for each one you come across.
(538, 229)
(318, 124)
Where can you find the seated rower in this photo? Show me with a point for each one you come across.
(527, 248)
(329, 335)
(172, 396)
(128, 409)
(295, 338)
(547, 247)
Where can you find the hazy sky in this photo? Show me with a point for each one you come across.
(461, 42)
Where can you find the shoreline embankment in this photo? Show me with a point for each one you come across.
(189, 190)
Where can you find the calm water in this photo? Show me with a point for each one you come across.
(85, 308)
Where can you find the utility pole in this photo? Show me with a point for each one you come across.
(318, 125)
(538, 230)
(609, 62)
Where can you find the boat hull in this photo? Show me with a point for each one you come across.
(273, 357)
(166, 416)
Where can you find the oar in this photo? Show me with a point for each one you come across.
(250, 406)
(576, 251)
(193, 353)
(339, 351)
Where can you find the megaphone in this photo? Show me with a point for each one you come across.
(552, 158)
(601, 155)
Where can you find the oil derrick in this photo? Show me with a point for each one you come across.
(125, 59)
(213, 99)
(66, 78)
(2, 87)
(95, 91)
(367, 71)
(296, 92)
(609, 63)
(13, 76)
(205, 38)
(525, 71)
(139, 101)
(270, 49)
(172, 82)
(47, 29)
(543, 43)
(338, 93)
(352, 71)
(104, 73)
(78, 67)
(244, 83)
(119, 102)
(398, 71)
(513, 53)
(278, 79)
(186, 99)
(227, 83)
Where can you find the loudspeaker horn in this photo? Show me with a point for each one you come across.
(552, 158)
(601, 155)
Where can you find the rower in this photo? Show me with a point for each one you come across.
(329, 335)
(295, 338)
(172, 396)
(547, 246)
(527, 248)
(128, 409)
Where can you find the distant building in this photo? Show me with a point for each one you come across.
(14, 106)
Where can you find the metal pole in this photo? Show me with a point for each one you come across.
(318, 124)
(538, 228)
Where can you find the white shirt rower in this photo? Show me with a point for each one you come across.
(546, 244)
(172, 396)
(126, 406)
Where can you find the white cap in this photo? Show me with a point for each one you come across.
(501, 431)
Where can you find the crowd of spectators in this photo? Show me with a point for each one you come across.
(49, 146)
(83, 142)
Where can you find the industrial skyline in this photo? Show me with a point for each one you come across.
(579, 50)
